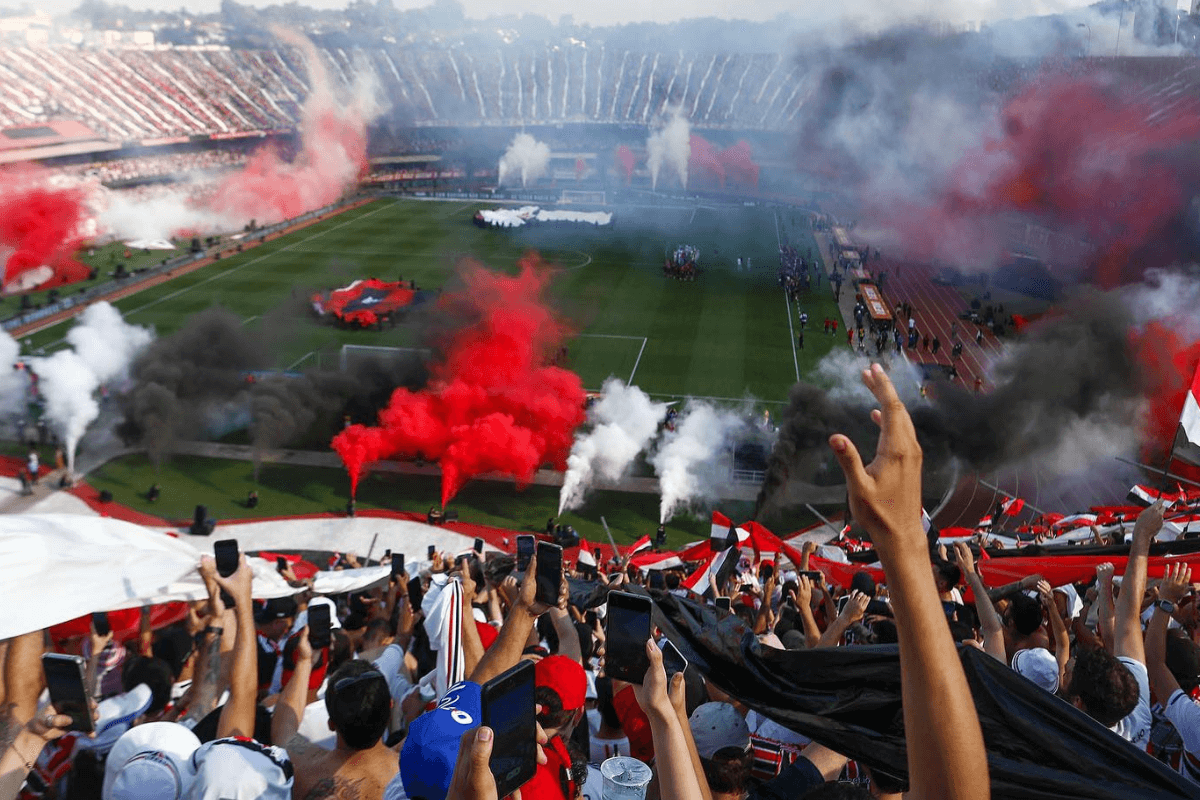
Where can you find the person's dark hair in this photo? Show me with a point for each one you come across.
(743, 612)
(948, 572)
(547, 632)
(863, 582)
(579, 765)
(885, 631)
(377, 630)
(1106, 687)
(838, 791)
(604, 703)
(341, 650)
(672, 580)
(359, 712)
(173, 645)
(728, 774)
(155, 673)
(1025, 614)
(587, 643)
(553, 714)
(1183, 660)
(961, 631)
(354, 621)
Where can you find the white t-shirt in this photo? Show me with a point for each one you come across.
(1135, 728)
(1184, 714)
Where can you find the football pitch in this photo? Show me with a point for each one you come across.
(727, 335)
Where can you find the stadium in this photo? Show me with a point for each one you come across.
(344, 286)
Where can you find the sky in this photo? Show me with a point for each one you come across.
(858, 12)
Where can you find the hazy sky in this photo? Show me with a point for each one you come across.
(613, 11)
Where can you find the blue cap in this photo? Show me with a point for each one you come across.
(431, 749)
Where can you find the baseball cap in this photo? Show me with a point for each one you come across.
(565, 677)
(716, 726)
(152, 761)
(487, 634)
(1038, 665)
(431, 750)
(275, 608)
(236, 768)
(334, 623)
(115, 716)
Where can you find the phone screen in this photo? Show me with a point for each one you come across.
(626, 629)
(657, 581)
(525, 545)
(398, 564)
(319, 626)
(508, 709)
(813, 575)
(280, 563)
(723, 603)
(226, 554)
(101, 624)
(673, 660)
(64, 679)
(416, 593)
(549, 573)
(479, 546)
(432, 550)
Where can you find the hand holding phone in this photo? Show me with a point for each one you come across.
(68, 695)
(225, 552)
(320, 633)
(673, 660)
(479, 546)
(723, 603)
(626, 629)
(508, 709)
(398, 564)
(432, 552)
(549, 574)
(525, 548)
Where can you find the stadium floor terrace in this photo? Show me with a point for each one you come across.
(726, 335)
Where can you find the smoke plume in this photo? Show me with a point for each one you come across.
(333, 151)
(104, 346)
(492, 404)
(12, 381)
(526, 158)
(669, 145)
(41, 227)
(692, 462)
(624, 420)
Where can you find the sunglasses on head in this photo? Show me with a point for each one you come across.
(345, 683)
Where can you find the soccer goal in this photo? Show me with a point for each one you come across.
(354, 354)
(583, 197)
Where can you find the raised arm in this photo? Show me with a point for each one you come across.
(947, 761)
(989, 620)
(506, 651)
(1127, 632)
(1058, 627)
(1176, 583)
(289, 709)
(676, 774)
(1105, 613)
(206, 681)
(852, 612)
(237, 717)
(812, 633)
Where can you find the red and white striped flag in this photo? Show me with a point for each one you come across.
(1190, 419)
(1012, 506)
(585, 558)
(721, 526)
(640, 545)
(698, 581)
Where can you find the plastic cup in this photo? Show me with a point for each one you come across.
(625, 778)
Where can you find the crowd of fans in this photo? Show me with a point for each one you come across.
(120, 170)
(235, 702)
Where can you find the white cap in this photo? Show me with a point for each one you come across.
(1038, 665)
(115, 716)
(152, 761)
(716, 726)
(241, 769)
(334, 622)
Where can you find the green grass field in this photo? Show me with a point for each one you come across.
(725, 335)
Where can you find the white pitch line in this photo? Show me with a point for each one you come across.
(637, 361)
(792, 331)
(297, 362)
(609, 336)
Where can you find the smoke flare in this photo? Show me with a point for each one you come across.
(492, 404)
(42, 226)
(624, 420)
(525, 157)
(670, 146)
(688, 462)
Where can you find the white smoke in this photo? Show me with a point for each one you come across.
(525, 157)
(840, 371)
(159, 213)
(690, 461)
(670, 145)
(624, 421)
(12, 382)
(104, 346)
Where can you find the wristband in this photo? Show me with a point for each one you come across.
(214, 629)
(1165, 606)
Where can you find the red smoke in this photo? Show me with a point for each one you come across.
(704, 164)
(42, 225)
(738, 163)
(625, 161)
(1078, 155)
(1168, 362)
(492, 404)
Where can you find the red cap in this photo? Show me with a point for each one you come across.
(566, 677)
(487, 634)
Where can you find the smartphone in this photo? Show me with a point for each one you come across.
(814, 575)
(432, 550)
(101, 624)
(549, 573)
(508, 709)
(723, 603)
(657, 581)
(841, 602)
(319, 633)
(626, 629)
(398, 564)
(387, 553)
(525, 546)
(226, 554)
(416, 593)
(280, 563)
(64, 679)
(479, 546)
(673, 660)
